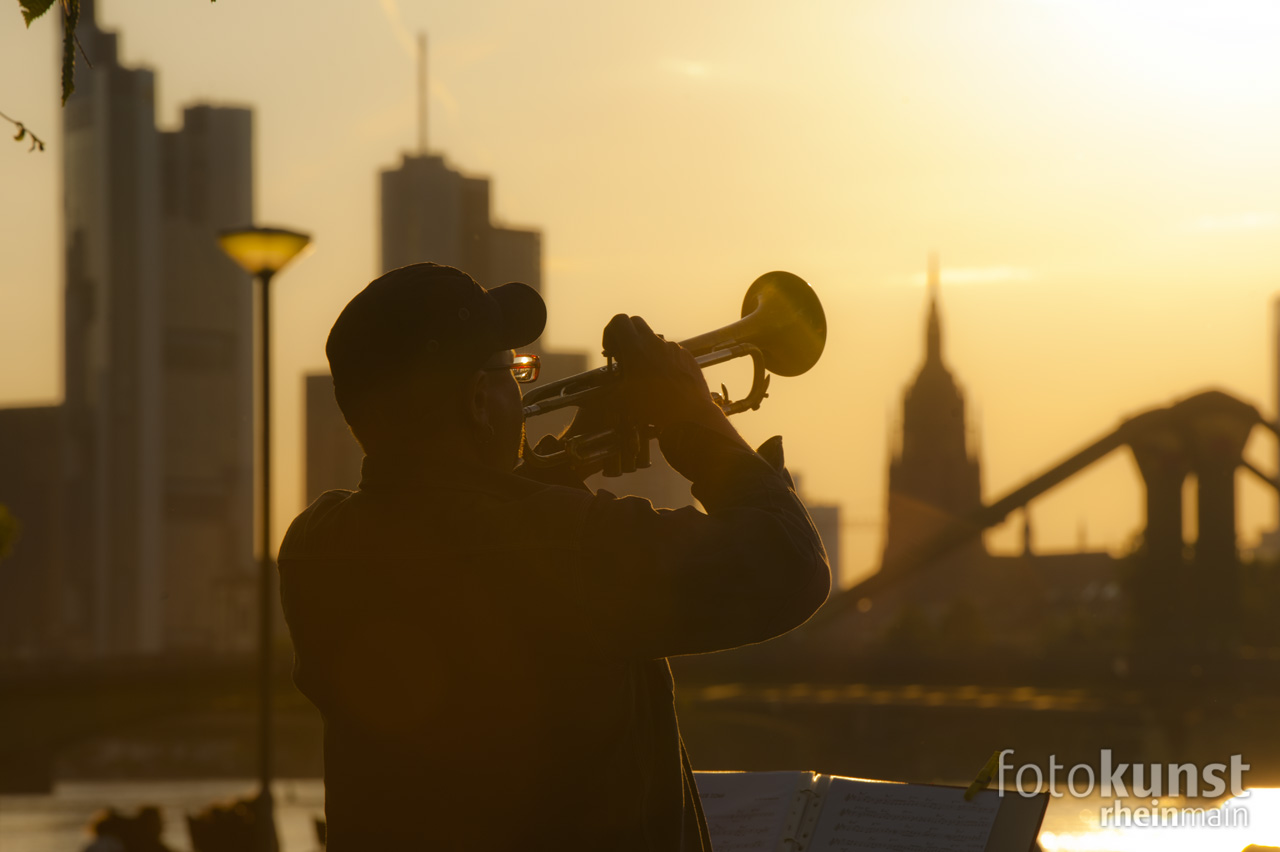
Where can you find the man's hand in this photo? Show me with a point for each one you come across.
(661, 382)
(562, 474)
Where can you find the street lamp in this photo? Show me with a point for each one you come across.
(263, 252)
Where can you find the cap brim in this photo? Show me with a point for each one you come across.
(522, 314)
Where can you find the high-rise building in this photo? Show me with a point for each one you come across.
(431, 212)
(35, 611)
(826, 519)
(332, 455)
(515, 254)
(933, 476)
(158, 383)
(207, 408)
(113, 367)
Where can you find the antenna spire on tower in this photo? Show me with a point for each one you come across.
(422, 94)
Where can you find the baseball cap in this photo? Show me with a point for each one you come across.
(426, 315)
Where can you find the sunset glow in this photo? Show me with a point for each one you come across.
(1097, 177)
(1017, 278)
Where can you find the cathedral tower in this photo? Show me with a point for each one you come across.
(933, 477)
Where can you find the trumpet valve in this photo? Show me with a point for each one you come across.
(722, 398)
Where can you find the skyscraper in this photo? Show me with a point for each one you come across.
(207, 383)
(113, 304)
(826, 519)
(431, 212)
(36, 612)
(158, 364)
(332, 456)
(933, 476)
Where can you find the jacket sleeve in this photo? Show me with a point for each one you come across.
(668, 582)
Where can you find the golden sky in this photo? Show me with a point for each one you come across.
(1100, 177)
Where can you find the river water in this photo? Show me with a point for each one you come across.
(56, 822)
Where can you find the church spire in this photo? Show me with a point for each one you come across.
(933, 334)
(933, 476)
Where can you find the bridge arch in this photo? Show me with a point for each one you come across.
(1203, 435)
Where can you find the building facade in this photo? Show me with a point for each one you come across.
(112, 367)
(332, 457)
(934, 476)
(207, 379)
(157, 465)
(432, 213)
(37, 610)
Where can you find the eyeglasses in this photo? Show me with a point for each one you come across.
(524, 368)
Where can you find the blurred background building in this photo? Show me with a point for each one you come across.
(148, 546)
(37, 599)
(935, 475)
(975, 600)
(431, 212)
(135, 494)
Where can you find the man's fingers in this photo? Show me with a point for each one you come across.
(642, 328)
(620, 337)
(661, 380)
(654, 346)
(627, 335)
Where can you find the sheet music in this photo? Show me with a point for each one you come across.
(749, 811)
(877, 816)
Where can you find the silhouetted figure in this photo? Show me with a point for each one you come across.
(225, 828)
(488, 650)
(115, 832)
(108, 832)
(147, 827)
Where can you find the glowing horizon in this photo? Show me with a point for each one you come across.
(1097, 179)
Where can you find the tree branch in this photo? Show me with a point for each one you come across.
(36, 142)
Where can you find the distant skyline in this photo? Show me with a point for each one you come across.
(1098, 178)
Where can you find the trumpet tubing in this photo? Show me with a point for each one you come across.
(782, 329)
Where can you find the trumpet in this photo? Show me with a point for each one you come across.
(783, 330)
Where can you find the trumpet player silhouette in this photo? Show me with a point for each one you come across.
(487, 647)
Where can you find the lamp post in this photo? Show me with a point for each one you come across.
(263, 252)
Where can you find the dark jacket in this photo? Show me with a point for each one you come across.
(488, 652)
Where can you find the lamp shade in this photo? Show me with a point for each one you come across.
(262, 251)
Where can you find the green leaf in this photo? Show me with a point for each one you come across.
(22, 131)
(32, 9)
(69, 49)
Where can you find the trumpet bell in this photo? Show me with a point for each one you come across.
(782, 317)
(795, 333)
(783, 330)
